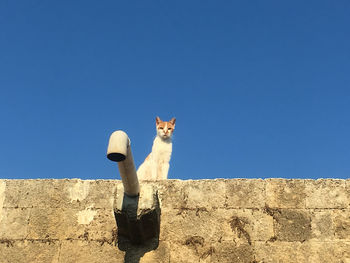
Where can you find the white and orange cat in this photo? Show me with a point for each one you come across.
(156, 165)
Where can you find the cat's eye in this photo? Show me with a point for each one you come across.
(169, 129)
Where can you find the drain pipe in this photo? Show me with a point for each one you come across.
(136, 210)
(119, 151)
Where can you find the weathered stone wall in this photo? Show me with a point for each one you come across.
(238, 220)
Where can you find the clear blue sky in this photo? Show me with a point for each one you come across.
(259, 88)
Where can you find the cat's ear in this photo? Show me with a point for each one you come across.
(172, 121)
(158, 120)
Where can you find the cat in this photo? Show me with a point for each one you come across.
(156, 165)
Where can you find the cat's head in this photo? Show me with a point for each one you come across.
(165, 129)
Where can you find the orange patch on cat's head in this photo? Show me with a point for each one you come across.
(165, 128)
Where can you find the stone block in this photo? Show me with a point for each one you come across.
(290, 252)
(322, 225)
(325, 193)
(53, 223)
(178, 224)
(286, 252)
(246, 225)
(193, 249)
(101, 228)
(25, 251)
(326, 252)
(14, 223)
(229, 251)
(341, 221)
(204, 193)
(291, 225)
(147, 199)
(330, 225)
(94, 193)
(245, 193)
(79, 251)
(171, 194)
(54, 193)
(62, 223)
(34, 193)
(281, 193)
(241, 225)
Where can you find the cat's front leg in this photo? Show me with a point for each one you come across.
(154, 170)
(163, 173)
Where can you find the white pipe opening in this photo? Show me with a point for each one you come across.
(119, 150)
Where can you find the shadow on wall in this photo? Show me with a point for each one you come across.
(135, 252)
(138, 231)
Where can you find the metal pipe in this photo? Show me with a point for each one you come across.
(119, 151)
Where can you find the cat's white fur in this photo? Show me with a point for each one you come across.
(156, 165)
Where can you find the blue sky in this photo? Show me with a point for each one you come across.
(260, 89)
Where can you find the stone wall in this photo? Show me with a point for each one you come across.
(237, 220)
